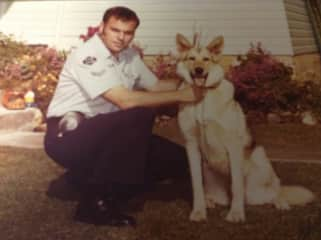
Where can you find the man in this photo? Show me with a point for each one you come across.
(109, 145)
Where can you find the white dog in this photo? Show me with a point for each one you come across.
(226, 168)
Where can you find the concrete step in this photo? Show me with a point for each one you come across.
(20, 120)
(17, 127)
(23, 139)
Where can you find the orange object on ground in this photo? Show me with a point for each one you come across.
(13, 100)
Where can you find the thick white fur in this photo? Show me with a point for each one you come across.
(216, 139)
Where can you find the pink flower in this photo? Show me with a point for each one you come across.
(256, 79)
(91, 31)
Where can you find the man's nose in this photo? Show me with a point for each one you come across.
(121, 36)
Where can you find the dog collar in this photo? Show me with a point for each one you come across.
(214, 86)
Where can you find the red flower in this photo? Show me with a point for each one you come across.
(91, 31)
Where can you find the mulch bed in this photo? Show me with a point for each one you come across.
(37, 203)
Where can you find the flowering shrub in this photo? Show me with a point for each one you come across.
(24, 67)
(263, 83)
(164, 66)
(49, 64)
(91, 31)
(310, 97)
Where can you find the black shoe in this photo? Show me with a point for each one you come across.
(102, 211)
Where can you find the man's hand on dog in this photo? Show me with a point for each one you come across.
(193, 93)
(162, 120)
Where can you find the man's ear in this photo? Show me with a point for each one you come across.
(216, 45)
(101, 28)
(182, 43)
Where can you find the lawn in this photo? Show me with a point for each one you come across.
(37, 204)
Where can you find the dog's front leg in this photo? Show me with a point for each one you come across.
(236, 212)
(195, 161)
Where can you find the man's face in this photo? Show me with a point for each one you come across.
(117, 34)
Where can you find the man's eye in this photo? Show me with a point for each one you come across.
(206, 59)
(191, 58)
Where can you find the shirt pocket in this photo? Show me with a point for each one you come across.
(129, 78)
(98, 69)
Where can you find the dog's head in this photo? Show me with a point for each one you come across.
(196, 63)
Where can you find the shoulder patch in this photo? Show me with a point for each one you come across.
(89, 60)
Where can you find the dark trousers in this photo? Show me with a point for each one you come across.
(117, 147)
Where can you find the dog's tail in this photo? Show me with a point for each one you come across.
(297, 195)
(293, 195)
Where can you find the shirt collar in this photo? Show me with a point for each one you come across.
(100, 47)
(105, 52)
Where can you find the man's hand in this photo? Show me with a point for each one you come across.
(125, 98)
(165, 85)
(162, 120)
(192, 94)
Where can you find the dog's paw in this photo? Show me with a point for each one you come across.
(210, 202)
(235, 215)
(198, 215)
(281, 204)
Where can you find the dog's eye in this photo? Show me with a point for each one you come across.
(206, 59)
(191, 58)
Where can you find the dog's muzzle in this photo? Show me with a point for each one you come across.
(199, 77)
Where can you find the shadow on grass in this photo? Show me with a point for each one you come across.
(65, 189)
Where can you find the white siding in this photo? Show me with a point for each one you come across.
(301, 32)
(60, 23)
(34, 22)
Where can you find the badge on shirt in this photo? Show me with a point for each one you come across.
(89, 60)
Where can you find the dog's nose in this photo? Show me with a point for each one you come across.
(199, 70)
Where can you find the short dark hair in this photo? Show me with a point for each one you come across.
(122, 13)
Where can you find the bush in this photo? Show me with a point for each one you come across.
(164, 66)
(262, 82)
(35, 67)
(310, 98)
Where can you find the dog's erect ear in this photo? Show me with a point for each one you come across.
(216, 45)
(182, 43)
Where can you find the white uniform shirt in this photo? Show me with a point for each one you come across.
(91, 70)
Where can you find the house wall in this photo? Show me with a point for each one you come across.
(300, 27)
(59, 23)
(306, 60)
